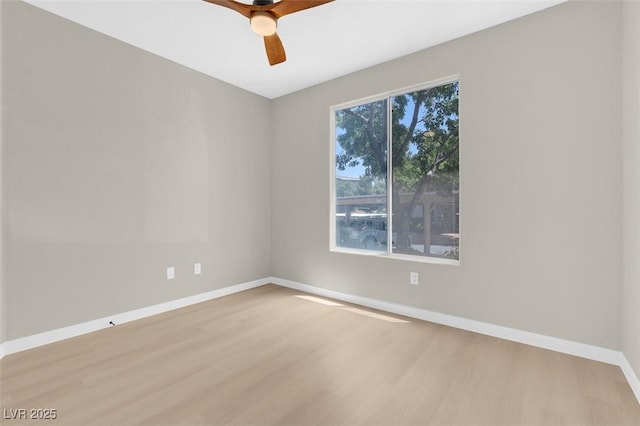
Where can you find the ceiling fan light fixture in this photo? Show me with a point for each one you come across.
(263, 23)
(264, 15)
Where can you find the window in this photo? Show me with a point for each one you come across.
(396, 182)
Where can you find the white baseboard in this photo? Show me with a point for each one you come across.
(51, 336)
(546, 342)
(631, 376)
(582, 350)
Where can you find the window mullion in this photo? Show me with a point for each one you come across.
(389, 179)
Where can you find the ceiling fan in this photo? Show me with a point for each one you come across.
(264, 14)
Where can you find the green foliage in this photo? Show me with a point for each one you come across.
(366, 185)
(425, 136)
(363, 138)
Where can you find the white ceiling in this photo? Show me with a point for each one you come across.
(321, 43)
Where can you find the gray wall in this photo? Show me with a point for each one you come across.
(541, 185)
(117, 164)
(631, 168)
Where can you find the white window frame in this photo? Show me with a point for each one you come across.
(332, 175)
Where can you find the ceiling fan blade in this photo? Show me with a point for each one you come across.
(275, 50)
(243, 9)
(285, 7)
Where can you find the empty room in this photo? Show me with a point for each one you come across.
(349, 212)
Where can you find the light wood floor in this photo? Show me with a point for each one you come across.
(267, 357)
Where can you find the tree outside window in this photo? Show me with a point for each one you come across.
(400, 155)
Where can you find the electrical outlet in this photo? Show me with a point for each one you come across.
(413, 278)
(197, 269)
(171, 272)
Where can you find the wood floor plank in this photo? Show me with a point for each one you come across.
(266, 357)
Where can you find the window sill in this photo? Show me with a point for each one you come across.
(395, 256)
